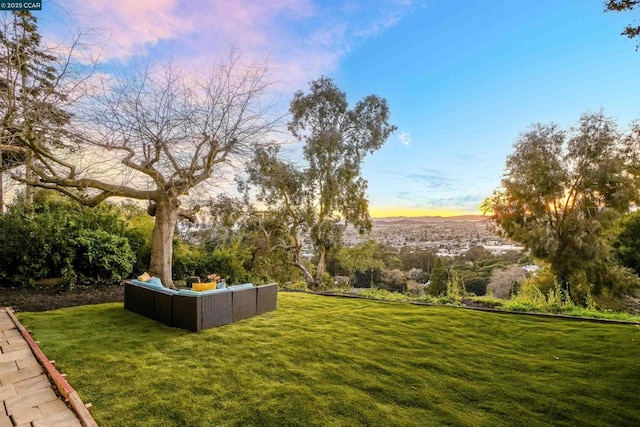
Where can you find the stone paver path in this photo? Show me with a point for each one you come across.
(27, 394)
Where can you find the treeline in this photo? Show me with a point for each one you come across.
(56, 237)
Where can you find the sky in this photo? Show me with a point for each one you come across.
(463, 78)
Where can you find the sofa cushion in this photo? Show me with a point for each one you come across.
(203, 286)
(188, 292)
(145, 284)
(242, 286)
(214, 291)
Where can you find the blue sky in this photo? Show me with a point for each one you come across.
(463, 78)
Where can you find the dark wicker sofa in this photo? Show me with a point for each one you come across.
(196, 312)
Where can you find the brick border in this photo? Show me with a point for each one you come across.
(63, 387)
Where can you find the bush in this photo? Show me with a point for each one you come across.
(103, 256)
(476, 285)
(394, 280)
(56, 237)
(455, 286)
(504, 283)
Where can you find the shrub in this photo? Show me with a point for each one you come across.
(394, 280)
(103, 256)
(476, 285)
(455, 286)
(56, 237)
(504, 283)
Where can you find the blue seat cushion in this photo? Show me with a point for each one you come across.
(214, 291)
(242, 286)
(188, 292)
(153, 283)
(146, 284)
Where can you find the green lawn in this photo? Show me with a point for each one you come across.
(343, 362)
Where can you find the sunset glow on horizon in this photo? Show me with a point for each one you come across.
(382, 212)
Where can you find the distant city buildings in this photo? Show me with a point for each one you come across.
(448, 238)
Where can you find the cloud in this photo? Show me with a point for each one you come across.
(464, 201)
(302, 38)
(405, 139)
(406, 195)
(131, 26)
(433, 179)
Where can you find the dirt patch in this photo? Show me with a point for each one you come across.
(43, 298)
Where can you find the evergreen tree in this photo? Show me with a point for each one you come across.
(438, 279)
(32, 112)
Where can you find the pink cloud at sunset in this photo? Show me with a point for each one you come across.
(301, 38)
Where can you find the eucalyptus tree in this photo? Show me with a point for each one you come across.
(156, 133)
(561, 192)
(329, 192)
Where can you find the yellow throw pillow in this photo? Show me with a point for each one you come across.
(144, 277)
(203, 286)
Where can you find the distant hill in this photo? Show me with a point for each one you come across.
(402, 220)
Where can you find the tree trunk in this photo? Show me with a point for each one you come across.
(307, 276)
(298, 264)
(162, 241)
(565, 286)
(321, 265)
(1, 187)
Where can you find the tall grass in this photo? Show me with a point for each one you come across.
(319, 361)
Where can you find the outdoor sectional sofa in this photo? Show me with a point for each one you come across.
(196, 311)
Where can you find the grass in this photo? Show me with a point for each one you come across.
(517, 304)
(330, 361)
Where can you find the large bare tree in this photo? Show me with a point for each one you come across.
(155, 133)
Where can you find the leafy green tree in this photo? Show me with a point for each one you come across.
(329, 191)
(423, 259)
(438, 279)
(361, 259)
(562, 190)
(476, 253)
(626, 243)
(630, 31)
(261, 236)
